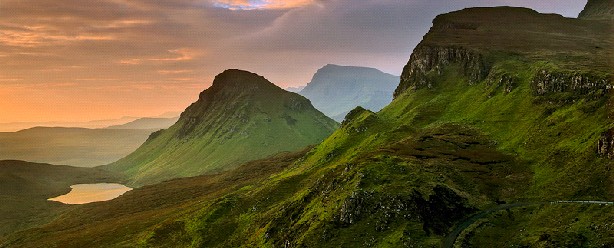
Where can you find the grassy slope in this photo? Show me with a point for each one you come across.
(150, 206)
(25, 188)
(240, 118)
(75, 146)
(406, 175)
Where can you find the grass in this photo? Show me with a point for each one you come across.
(403, 176)
(242, 117)
(25, 188)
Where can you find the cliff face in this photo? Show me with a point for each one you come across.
(598, 10)
(579, 83)
(475, 39)
(428, 60)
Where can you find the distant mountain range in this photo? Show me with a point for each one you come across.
(71, 146)
(500, 130)
(16, 126)
(241, 117)
(335, 90)
(81, 147)
(147, 123)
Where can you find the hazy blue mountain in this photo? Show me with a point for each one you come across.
(335, 90)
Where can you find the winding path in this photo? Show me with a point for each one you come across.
(451, 238)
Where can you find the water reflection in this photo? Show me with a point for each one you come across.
(86, 193)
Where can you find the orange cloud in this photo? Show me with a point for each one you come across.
(36, 36)
(131, 61)
(168, 72)
(261, 4)
(184, 54)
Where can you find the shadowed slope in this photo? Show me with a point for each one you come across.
(241, 117)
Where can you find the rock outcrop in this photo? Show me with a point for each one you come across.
(579, 83)
(605, 145)
(598, 10)
(427, 60)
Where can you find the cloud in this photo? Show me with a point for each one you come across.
(168, 72)
(260, 4)
(174, 48)
(183, 54)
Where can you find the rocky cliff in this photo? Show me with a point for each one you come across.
(475, 44)
(598, 10)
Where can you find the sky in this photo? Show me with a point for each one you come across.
(76, 60)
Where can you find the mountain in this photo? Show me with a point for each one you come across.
(335, 90)
(241, 117)
(598, 10)
(149, 123)
(499, 135)
(74, 146)
(25, 188)
(17, 126)
(295, 89)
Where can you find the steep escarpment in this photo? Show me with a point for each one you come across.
(598, 10)
(523, 34)
(241, 117)
(515, 108)
(427, 61)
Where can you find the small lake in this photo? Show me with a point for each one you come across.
(86, 193)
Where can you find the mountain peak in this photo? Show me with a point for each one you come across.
(245, 79)
(598, 10)
(241, 117)
(336, 89)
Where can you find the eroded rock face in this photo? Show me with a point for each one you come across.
(426, 60)
(598, 10)
(605, 145)
(580, 83)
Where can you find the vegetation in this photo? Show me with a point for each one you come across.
(482, 117)
(241, 117)
(25, 188)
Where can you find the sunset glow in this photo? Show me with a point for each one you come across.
(76, 61)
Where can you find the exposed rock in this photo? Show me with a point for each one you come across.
(598, 10)
(426, 60)
(605, 145)
(502, 81)
(579, 83)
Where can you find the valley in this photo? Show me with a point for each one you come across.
(498, 133)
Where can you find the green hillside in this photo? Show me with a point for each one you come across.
(241, 117)
(25, 188)
(496, 106)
